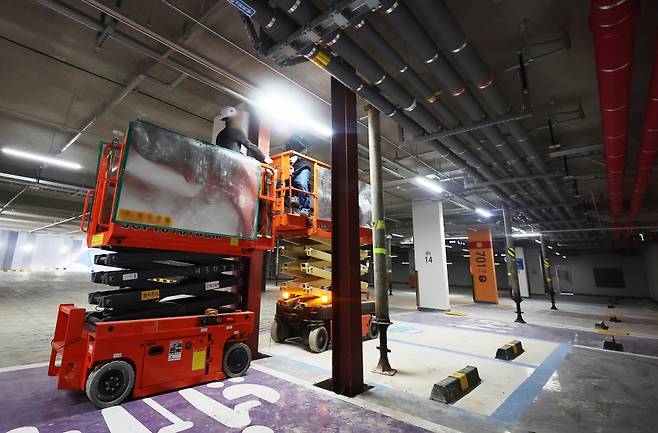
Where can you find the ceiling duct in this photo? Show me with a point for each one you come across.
(612, 23)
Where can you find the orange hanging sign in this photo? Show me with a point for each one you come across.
(483, 268)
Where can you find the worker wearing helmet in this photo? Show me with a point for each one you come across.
(302, 174)
(232, 137)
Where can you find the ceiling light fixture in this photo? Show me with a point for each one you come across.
(397, 235)
(428, 184)
(283, 110)
(526, 235)
(41, 158)
(485, 213)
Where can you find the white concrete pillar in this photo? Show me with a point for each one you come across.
(430, 255)
(522, 271)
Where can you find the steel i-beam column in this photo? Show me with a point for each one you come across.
(255, 265)
(512, 272)
(379, 247)
(254, 283)
(546, 271)
(347, 354)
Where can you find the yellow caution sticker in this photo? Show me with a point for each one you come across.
(234, 242)
(199, 360)
(613, 332)
(136, 216)
(321, 58)
(455, 313)
(97, 239)
(380, 250)
(511, 252)
(547, 264)
(378, 225)
(148, 295)
(463, 380)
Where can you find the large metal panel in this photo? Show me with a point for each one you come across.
(180, 183)
(324, 198)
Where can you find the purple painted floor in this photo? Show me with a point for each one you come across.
(639, 345)
(258, 403)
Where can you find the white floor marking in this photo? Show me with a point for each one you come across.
(119, 420)
(215, 385)
(236, 379)
(24, 430)
(265, 392)
(359, 401)
(177, 424)
(258, 429)
(23, 367)
(232, 418)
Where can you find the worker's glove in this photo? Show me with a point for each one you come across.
(268, 160)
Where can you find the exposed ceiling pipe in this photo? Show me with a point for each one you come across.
(612, 23)
(146, 50)
(453, 41)
(278, 26)
(371, 70)
(646, 157)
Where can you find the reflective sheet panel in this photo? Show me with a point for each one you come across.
(176, 182)
(324, 198)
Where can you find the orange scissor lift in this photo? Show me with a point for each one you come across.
(303, 312)
(165, 323)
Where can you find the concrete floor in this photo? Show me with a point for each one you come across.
(562, 383)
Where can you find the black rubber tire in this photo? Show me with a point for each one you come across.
(236, 360)
(318, 339)
(373, 329)
(279, 331)
(110, 384)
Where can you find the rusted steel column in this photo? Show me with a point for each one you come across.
(253, 277)
(380, 252)
(546, 271)
(512, 271)
(347, 354)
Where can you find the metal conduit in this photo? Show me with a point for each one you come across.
(344, 73)
(353, 54)
(420, 41)
(422, 44)
(454, 42)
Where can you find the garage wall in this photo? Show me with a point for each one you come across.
(651, 264)
(582, 274)
(535, 276)
(25, 251)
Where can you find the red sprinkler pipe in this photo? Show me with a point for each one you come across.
(646, 157)
(612, 23)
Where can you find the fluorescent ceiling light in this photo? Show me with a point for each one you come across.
(284, 111)
(467, 255)
(485, 213)
(464, 250)
(448, 246)
(392, 256)
(404, 263)
(397, 235)
(538, 241)
(550, 247)
(526, 235)
(564, 257)
(41, 158)
(428, 184)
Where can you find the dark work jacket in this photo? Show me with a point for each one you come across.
(232, 138)
(299, 147)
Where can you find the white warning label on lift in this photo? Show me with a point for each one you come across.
(212, 285)
(175, 350)
(131, 276)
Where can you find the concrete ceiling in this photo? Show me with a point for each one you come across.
(54, 81)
